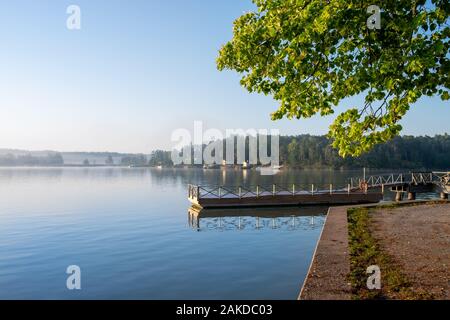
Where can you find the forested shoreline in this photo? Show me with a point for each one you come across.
(301, 151)
(307, 151)
(401, 152)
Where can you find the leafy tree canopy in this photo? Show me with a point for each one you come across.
(311, 54)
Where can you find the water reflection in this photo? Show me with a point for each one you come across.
(132, 222)
(280, 218)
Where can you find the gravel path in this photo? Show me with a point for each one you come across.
(418, 239)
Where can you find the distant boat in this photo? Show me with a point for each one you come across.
(270, 170)
(211, 166)
(269, 167)
(159, 167)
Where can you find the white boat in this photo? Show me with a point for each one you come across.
(269, 171)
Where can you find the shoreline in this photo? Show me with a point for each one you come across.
(323, 282)
(328, 277)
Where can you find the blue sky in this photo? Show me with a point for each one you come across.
(135, 72)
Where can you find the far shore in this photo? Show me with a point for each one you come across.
(228, 167)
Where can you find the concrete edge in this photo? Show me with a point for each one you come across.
(313, 256)
(330, 265)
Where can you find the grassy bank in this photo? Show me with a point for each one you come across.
(366, 251)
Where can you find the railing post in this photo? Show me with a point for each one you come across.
(348, 188)
(293, 189)
(382, 188)
(257, 191)
(312, 189)
(240, 192)
(220, 193)
(331, 188)
(273, 189)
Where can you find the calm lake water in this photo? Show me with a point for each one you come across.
(131, 233)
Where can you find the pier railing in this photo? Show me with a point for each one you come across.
(354, 186)
(219, 192)
(443, 178)
(415, 178)
(377, 181)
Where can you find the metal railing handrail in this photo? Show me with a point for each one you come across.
(401, 178)
(240, 191)
(354, 185)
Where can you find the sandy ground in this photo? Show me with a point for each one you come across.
(418, 239)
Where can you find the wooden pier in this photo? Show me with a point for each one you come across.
(357, 191)
(277, 195)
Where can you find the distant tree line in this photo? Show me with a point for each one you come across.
(307, 151)
(402, 152)
(161, 158)
(51, 159)
(302, 151)
(138, 160)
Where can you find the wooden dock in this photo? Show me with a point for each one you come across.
(357, 191)
(277, 195)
